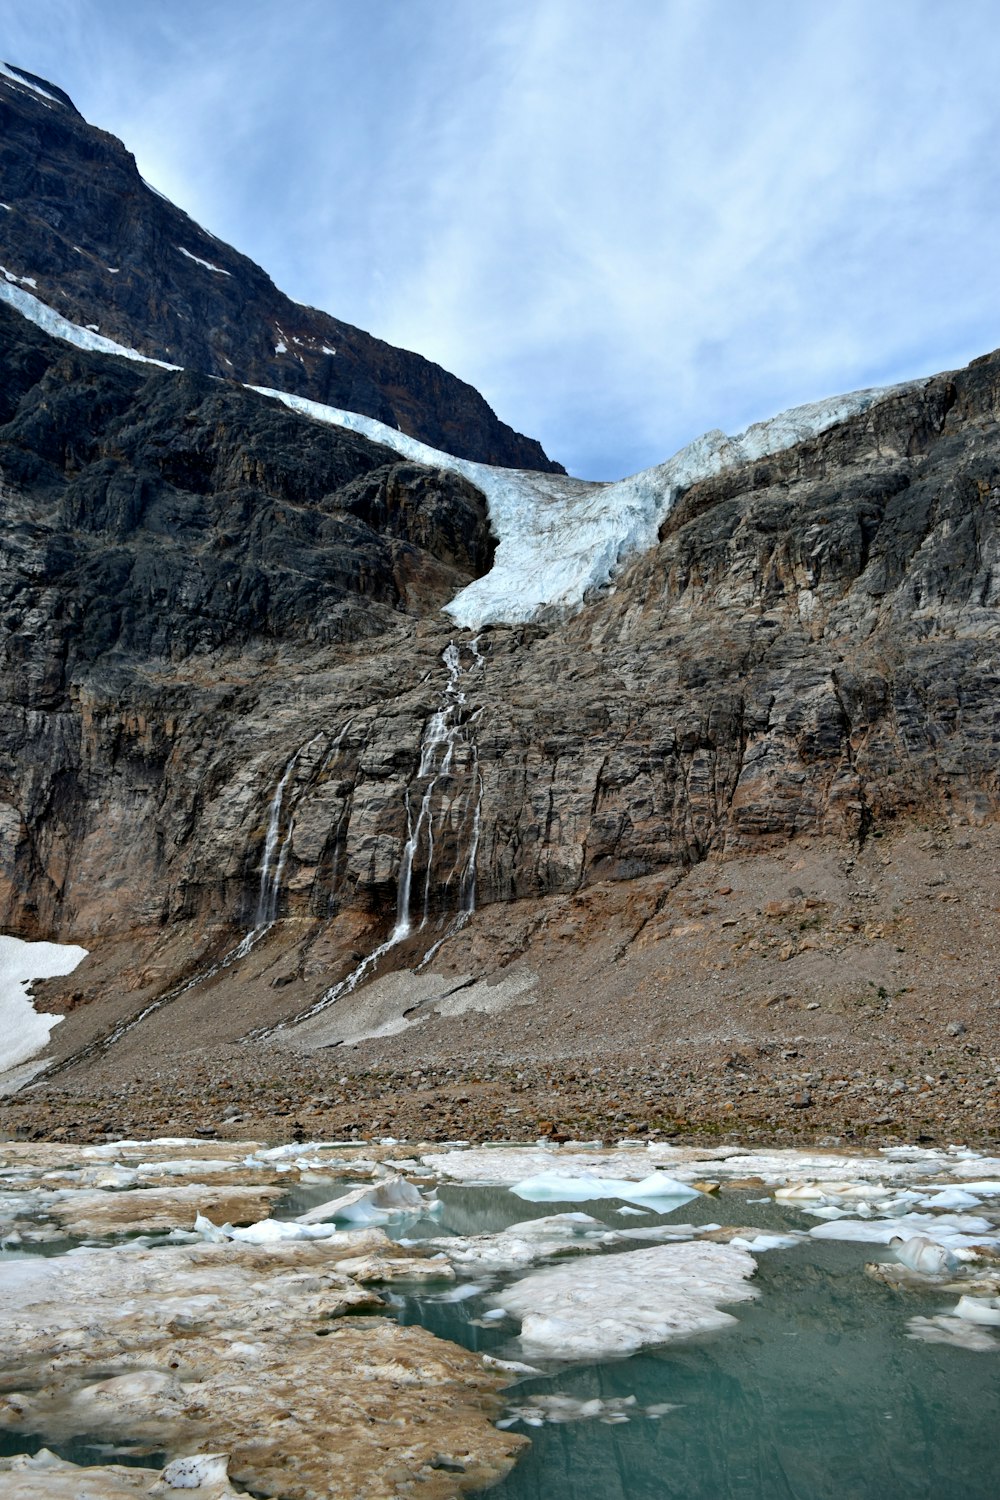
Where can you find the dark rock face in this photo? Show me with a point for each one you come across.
(205, 594)
(106, 249)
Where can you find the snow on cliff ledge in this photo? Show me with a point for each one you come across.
(558, 538)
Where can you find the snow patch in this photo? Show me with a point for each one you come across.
(6, 71)
(281, 347)
(24, 280)
(23, 1032)
(206, 263)
(325, 348)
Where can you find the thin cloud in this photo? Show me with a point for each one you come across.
(624, 224)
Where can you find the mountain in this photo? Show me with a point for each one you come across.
(105, 249)
(319, 738)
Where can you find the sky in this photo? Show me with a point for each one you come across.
(624, 221)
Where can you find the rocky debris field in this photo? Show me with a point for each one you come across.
(797, 1094)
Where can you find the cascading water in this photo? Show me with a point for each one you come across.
(270, 872)
(441, 736)
(277, 842)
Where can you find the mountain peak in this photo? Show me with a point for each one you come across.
(106, 250)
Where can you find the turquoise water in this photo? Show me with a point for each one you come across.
(815, 1393)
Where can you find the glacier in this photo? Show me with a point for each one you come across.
(558, 538)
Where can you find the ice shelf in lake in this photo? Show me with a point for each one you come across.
(23, 1031)
(558, 538)
(616, 1304)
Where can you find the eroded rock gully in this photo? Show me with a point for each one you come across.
(209, 599)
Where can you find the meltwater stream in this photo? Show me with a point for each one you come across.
(428, 803)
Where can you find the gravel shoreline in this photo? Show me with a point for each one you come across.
(759, 1095)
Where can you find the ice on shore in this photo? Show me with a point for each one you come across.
(23, 1031)
(613, 1305)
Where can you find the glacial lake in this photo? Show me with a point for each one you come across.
(817, 1390)
(816, 1393)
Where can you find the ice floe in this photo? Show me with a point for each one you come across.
(558, 1187)
(375, 1204)
(612, 1305)
(959, 1333)
(558, 1408)
(213, 1350)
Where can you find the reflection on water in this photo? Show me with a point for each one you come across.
(85, 1450)
(816, 1393)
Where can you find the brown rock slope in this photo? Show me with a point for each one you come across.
(800, 675)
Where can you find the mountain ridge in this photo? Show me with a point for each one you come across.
(104, 248)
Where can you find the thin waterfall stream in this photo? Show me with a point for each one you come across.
(441, 736)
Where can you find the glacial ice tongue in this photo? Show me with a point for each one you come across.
(558, 538)
(612, 1305)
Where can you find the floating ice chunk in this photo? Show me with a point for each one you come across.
(758, 1243)
(526, 1243)
(960, 1333)
(557, 1408)
(979, 1310)
(554, 1187)
(372, 1204)
(919, 1253)
(462, 1293)
(206, 263)
(612, 1305)
(953, 1230)
(953, 1197)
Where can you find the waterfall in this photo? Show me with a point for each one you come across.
(441, 735)
(270, 883)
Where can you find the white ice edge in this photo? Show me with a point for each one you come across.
(558, 538)
(23, 1031)
(6, 71)
(613, 1305)
(209, 266)
(54, 323)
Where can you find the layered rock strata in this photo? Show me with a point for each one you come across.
(194, 710)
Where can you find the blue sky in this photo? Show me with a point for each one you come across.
(624, 221)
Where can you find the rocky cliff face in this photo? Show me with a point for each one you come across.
(228, 695)
(95, 242)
